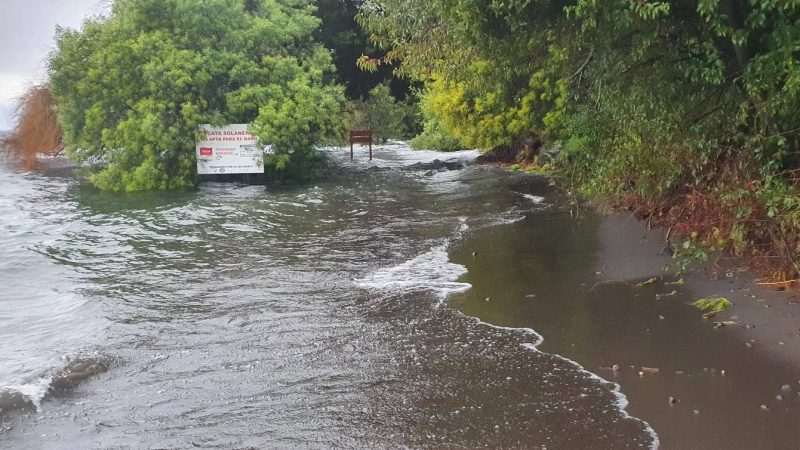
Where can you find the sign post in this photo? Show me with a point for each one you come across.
(361, 137)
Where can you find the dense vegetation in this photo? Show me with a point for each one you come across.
(687, 110)
(132, 88)
(37, 130)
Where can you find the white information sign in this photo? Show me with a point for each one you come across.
(229, 149)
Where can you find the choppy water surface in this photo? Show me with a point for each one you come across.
(313, 316)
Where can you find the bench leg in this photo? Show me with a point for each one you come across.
(351, 151)
(370, 150)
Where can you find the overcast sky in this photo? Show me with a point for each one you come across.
(27, 28)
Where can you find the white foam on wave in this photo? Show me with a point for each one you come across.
(430, 271)
(33, 391)
(463, 226)
(616, 389)
(534, 198)
(395, 154)
(433, 271)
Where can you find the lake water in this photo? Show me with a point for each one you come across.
(391, 304)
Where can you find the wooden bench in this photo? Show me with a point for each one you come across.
(361, 137)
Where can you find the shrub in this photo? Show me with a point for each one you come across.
(37, 131)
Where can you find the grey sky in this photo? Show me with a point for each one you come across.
(26, 37)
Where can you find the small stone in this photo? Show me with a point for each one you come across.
(764, 408)
(779, 397)
(786, 388)
(672, 400)
(487, 299)
(641, 374)
(696, 412)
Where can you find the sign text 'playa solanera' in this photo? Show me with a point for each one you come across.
(229, 150)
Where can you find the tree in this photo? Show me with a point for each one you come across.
(36, 131)
(493, 72)
(664, 80)
(384, 115)
(131, 89)
(347, 41)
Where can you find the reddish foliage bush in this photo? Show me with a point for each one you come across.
(37, 131)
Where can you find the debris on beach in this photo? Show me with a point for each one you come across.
(646, 282)
(668, 294)
(712, 305)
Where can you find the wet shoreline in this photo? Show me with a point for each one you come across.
(404, 302)
(710, 390)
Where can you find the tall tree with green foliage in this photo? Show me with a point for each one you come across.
(347, 41)
(492, 72)
(132, 88)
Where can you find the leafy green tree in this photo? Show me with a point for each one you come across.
(718, 77)
(384, 115)
(132, 88)
(493, 72)
(347, 41)
(649, 100)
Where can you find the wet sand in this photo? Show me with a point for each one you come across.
(577, 283)
(766, 318)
